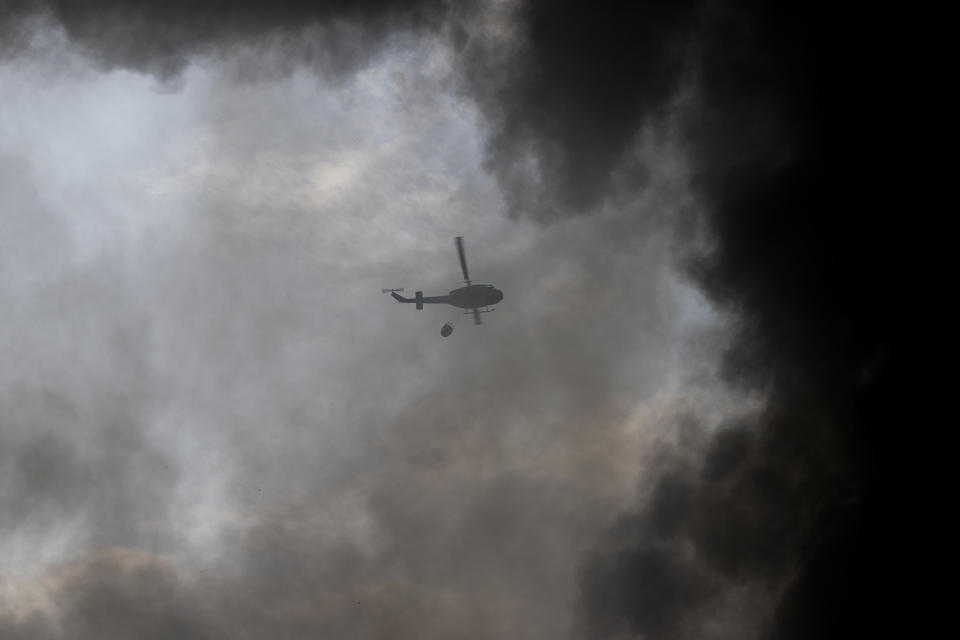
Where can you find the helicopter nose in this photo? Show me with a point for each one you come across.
(499, 295)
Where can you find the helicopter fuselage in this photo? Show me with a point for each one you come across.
(474, 296)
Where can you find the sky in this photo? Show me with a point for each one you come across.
(677, 424)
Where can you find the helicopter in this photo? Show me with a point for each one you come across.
(472, 296)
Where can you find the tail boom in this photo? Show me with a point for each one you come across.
(420, 299)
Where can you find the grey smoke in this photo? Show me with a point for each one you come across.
(215, 426)
(576, 468)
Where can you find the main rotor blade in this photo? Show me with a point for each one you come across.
(476, 316)
(463, 259)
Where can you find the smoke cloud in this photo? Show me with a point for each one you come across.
(162, 37)
(209, 432)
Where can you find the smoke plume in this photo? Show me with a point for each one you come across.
(203, 438)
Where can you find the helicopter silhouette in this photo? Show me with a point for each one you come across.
(472, 296)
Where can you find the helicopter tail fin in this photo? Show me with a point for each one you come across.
(398, 297)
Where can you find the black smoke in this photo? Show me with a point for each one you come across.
(566, 105)
(815, 494)
(810, 501)
(162, 37)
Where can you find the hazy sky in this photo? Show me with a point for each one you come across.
(214, 425)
